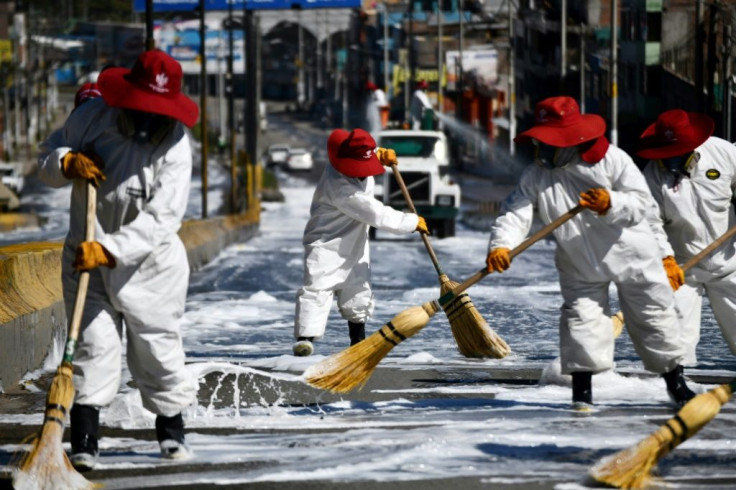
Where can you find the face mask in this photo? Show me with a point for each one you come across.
(551, 156)
(679, 165)
(145, 127)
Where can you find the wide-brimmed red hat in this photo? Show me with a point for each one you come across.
(370, 86)
(674, 133)
(86, 92)
(558, 122)
(152, 85)
(352, 153)
(422, 84)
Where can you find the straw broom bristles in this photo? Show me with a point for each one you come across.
(473, 336)
(351, 368)
(46, 466)
(631, 467)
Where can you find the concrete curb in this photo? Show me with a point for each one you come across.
(32, 316)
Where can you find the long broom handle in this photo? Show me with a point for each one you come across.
(83, 284)
(707, 250)
(516, 251)
(410, 203)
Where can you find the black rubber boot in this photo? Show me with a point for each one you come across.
(170, 428)
(677, 387)
(357, 332)
(85, 423)
(582, 389)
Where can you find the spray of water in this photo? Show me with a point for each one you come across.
(494, 160)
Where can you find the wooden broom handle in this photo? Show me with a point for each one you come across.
(516, 251)
(413, 209)
(707, 250)
(83, 283)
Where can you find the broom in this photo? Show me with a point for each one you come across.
(631, 467)
(47, 466)
(473, 336)
(618, 318)
(349, 369)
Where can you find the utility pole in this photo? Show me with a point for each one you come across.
(300, 97)
(203, 105)
(385, 47)
(582, 68)
(727, 73)
(614, 72)
(150, 44)
(699, 45)
(230, 92)
(563, 46)
(440, 62)
(711, 64)
(512, 83)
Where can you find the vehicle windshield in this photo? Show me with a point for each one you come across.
(414, 146)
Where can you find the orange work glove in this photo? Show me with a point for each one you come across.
(78, 165)
(598, 200)
(422, 226)
(387, 157)
(91, 255)
(498, 260)
(674, 272)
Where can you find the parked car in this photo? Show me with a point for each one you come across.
(276, 154)
(12, 176)
(299, 159)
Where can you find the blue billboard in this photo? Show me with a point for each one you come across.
(189, 5)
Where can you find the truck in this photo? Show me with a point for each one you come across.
(424, 163)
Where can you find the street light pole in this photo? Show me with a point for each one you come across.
(203, 105)
(614, 72)
(512, 84)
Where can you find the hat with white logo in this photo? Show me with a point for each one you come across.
(153, 85)
(558, 122)
(674, 133)
(352, 153)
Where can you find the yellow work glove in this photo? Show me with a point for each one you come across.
(674, 272)
(387, 157)
(598, 200)
(498, 260)
(91, 255)
(422, 226)
(78, 165)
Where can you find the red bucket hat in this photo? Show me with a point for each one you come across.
(675, 132)
(370, 86)
(152, 85)
(558, 122)
(351, 153)
(422, 84)
(86, 92)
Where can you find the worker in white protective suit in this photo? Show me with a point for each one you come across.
(336, 248)
(609, 242)
(692, 176)
(419, 103)
(132, 144)
(373, 104)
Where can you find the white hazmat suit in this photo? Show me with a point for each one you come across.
(694, 211)
(337, 252)
(140, 206)
(592, 252)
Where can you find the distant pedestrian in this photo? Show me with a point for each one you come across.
(372, 110)
(692, 176)
(132, 144)
(419, 104)
(336, 248)
(612, 242)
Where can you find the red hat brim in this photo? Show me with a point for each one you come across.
(119, 92)
(652, 146)
(587, 128)
(351, 167)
